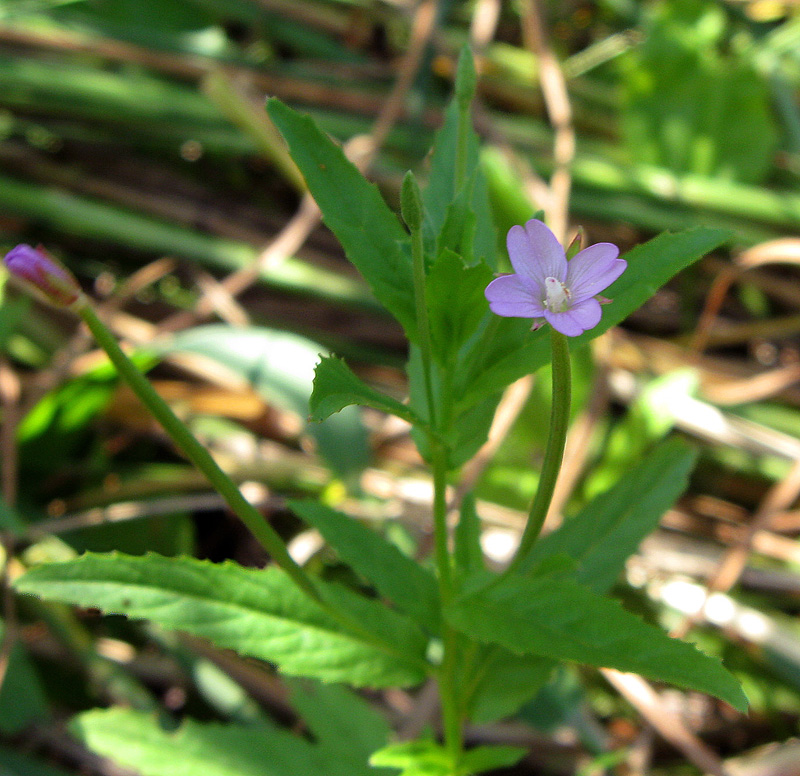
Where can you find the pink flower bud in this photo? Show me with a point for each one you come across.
(42, 274)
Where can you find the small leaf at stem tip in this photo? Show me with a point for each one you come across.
(411, 202)
(43, 275)
(466, 78)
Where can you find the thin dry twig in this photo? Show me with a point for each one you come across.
(662, 719)
(361, 150)
(556, 98)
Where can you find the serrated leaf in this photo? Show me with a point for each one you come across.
(400, 579)
(257, 612)
(336, 387)
(610, 528)
(506, 350)
(558, 618)
(354, 211)
(135, 739)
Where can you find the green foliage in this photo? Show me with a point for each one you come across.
(354, 211)
(336, 387)
(553, 616)
(136, 740)
(346, 728)
(610, 528)
(505, 682)
(691, 106)
(427, 758)
(257, 612)
(456, 304)
(402, 580)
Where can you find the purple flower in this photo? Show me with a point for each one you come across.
(547, 287)
(43, 274)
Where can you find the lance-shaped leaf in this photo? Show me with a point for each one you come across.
(400, 579)
(355, 212)
(336, 387)
(553, 616)
(610, 528)
(257, 612)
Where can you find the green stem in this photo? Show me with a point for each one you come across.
(198, 454)
(448, 683)
(554, 453)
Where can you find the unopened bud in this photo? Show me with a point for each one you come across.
(44, 275)
(411, 202)
(466, 79)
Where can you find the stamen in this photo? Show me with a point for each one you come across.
(556, 295)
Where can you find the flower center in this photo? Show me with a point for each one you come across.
(556, 295)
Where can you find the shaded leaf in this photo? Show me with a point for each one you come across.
(399, 578)
(346, 729)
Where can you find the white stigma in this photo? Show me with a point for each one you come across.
(556, 295)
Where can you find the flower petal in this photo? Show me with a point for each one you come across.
(535, 253)
(593, 269)
(578, 319)
(512, 297)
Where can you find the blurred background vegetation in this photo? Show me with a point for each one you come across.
(135, 147)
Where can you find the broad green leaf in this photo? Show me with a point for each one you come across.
(456, 304)
(336, 387)
(136, 740)
(280, 367)
(354, 211)
(555, 617)
(345, 727)
(400, 579)
(610, 528)
(505, 351)
(506, 682)
(257, 612)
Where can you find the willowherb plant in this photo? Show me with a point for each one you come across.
(491, 640)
